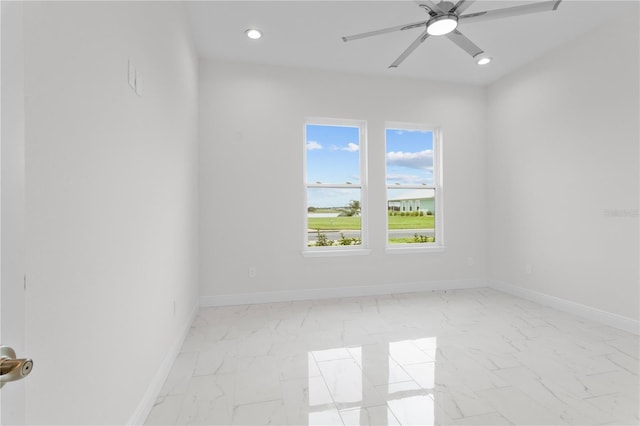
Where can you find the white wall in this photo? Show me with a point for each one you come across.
(563, 167)
(251, 153)
(111, 190)
(12, 256)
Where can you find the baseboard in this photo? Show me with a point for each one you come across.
(150, 396)
(588, 312)
(334, 292)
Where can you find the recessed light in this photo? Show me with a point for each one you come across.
(484, 60)
(253, 34)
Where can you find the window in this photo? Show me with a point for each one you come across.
(336, 189)
(413, 186)
(335, 185)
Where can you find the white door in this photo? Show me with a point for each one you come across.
(12, 169)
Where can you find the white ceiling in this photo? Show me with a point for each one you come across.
(308, 34)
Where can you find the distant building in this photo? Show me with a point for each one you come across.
(418, 200)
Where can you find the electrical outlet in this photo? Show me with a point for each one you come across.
(173, 307)
(528, 269)
(471, 261)
(252, 271)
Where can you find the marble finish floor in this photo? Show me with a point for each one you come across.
(467, 357)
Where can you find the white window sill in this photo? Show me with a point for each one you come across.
(329, 252)
(411, 248)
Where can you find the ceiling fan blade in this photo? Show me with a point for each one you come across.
(510, 11)
(461, 6)
(385, 30)
(464, 43)
(417, 42)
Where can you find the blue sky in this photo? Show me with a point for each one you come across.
(333, 154)
(409, 157)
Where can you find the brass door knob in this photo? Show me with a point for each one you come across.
(12, 369)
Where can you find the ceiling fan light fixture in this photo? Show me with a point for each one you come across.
(253, 34)
(442, 24)
(484, 60)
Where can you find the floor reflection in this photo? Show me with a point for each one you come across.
(389, 384)
(500, 361)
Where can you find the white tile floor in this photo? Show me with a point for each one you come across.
(469, 357)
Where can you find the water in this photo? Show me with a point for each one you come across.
(322, 214)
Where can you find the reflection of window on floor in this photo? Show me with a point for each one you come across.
(393, 381)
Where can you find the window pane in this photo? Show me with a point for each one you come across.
(333, 216)
(333, 154)
(411, 215)
(409, 157)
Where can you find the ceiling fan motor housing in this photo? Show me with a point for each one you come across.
(445, 5)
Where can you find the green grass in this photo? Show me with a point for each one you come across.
(411, 222)
(353, 222)
(334, 223)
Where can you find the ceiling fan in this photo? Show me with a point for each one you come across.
(444, 18)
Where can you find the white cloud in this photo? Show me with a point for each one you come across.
(415, 160)
(351, 147)
(311, 145)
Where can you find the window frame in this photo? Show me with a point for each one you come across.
(439, 244)
(363, 248)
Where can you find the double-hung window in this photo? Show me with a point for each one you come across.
(335, 181)
(414, 191)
